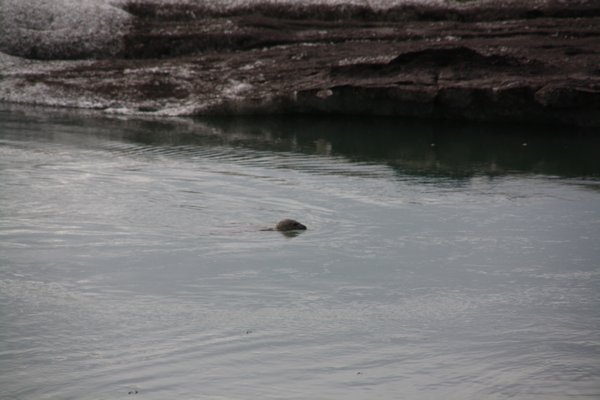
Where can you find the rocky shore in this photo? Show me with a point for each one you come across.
(489, 60)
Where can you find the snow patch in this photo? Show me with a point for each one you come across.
(384, 59)
(61, 29)
(236, 89)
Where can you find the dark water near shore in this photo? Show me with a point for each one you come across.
(441, 261)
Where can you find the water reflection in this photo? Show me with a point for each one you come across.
(416, 147)
(436, 149)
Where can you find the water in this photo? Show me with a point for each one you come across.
(441, 261)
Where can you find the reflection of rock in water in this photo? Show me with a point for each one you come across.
(323, 147)
(461, 149)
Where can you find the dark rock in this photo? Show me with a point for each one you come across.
(569, 97)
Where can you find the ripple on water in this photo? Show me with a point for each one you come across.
(133, 263)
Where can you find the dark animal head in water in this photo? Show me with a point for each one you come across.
(289, 225)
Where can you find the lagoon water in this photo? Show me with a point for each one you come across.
(440, 260)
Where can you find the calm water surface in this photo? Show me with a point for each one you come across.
(441, 261)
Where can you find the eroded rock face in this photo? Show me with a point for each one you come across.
(478, 60)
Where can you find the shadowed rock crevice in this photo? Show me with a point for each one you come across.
(449, 62)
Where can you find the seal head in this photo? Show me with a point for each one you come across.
(287, 225)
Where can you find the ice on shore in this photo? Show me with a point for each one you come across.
(61, 29)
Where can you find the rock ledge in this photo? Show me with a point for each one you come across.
(476, 60)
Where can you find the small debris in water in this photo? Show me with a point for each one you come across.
(248, 332)
(132, 392)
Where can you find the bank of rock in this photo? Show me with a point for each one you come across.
(490, 60)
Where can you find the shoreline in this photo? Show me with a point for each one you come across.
(476, 61)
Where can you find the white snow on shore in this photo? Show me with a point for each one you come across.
(61, 29)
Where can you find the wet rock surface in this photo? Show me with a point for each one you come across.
(490, 61)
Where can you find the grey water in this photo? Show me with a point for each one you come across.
(441, 260)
